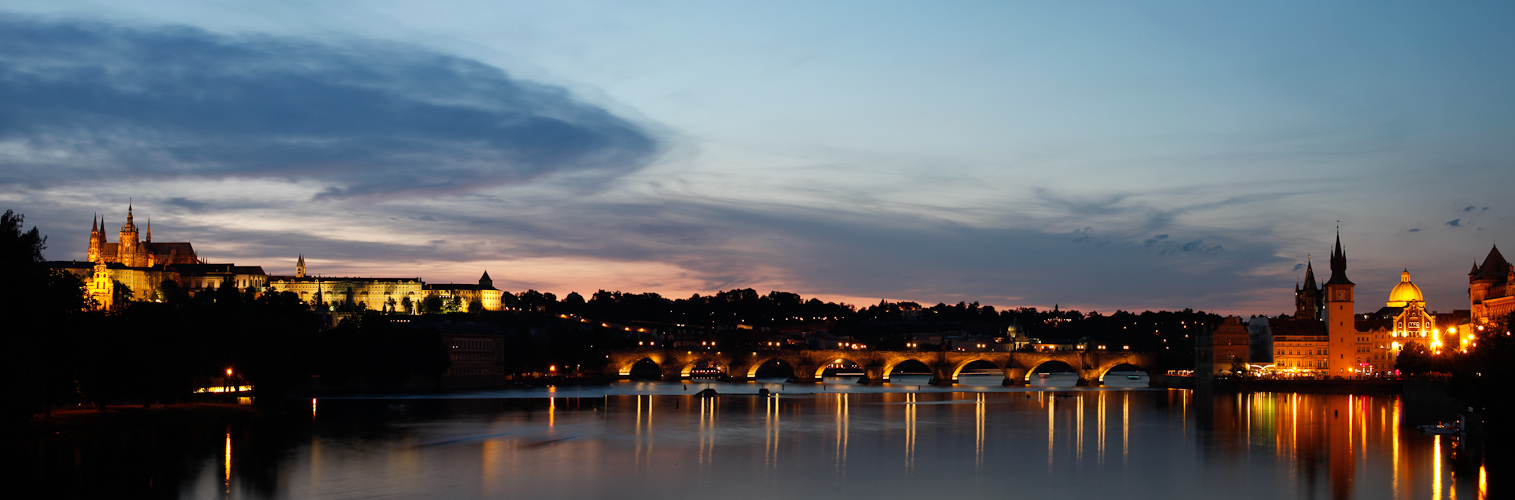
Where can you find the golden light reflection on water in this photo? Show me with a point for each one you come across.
(910, 431)
(842, 430)
(1436, 469)
(771, 432)
(1125, 427)
(1078, 436)
(1101, 430)
(707, 432)
(1051, 403)
(1395, 432)
(226, 466)
(979, 415)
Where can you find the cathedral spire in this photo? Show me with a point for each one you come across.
(1310, 283)
(149, 230)
(1338, 263)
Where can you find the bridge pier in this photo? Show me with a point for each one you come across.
(1015, 376)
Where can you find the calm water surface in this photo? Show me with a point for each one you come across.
(835, 440)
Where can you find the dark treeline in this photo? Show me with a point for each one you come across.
(736, 319)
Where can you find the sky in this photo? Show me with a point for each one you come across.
(1090, 155)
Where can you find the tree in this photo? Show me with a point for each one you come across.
(1413, 359)
(405, 303)
(41, 307)
(1238, 366)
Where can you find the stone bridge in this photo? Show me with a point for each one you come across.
(676, 364)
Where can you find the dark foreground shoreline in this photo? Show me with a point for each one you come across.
(90, 419)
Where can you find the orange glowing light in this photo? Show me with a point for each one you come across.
(228, 372)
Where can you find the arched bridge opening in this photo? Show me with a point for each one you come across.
(704, 368)
(978, 372)
(772, 368)
(1054, 373)
(1125, 375)
(646, 369)
(839, 367)
(913, 371)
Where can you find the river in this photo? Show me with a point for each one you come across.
(835, 440)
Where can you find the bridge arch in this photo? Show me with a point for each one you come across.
(820, 368)
(644, 368)
(769, 363)
(913, 364)
(1050, 362)
(688, 365)
(958, 369)
(1121, 365)
(623, 368)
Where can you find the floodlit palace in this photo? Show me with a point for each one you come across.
(134, 267)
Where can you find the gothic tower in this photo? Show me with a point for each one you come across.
(1307, 301)
(1341, 327)
(130, 246)
(96, 238)
(300, 267)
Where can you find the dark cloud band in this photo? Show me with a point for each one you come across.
(83, 98)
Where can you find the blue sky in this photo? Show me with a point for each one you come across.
(1155, 155)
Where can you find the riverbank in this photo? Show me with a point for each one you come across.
(112, 418)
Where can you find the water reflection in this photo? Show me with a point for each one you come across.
(971, 443)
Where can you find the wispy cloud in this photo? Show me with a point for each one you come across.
(80, 99)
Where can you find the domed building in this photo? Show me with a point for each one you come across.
(1411, 321)
(1405, 292)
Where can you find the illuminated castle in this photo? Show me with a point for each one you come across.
(130, 251)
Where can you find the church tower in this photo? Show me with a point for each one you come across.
(300, 267)
(96, 238)
(1307, 301)
(485, 283)
(1341, 327)
(130, 247)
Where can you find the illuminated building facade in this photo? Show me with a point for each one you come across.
(366, 293)
(131, 251)
(1491, 289)
(484, 293)
(1299, 346)
(381, 294)
(1411, 321)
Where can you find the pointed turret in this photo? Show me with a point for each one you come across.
(1494, 265)
(1474, 272)
(1338, 264)
(300, 267)
(1310, 283)
(149, 238)
(485, 282)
